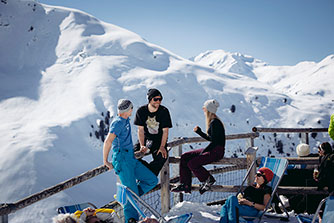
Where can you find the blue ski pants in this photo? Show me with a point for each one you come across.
(228, 211)
(139, 179)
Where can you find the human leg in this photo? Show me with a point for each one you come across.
(157, 163)
(185, 172)
(196, 163)
(228, 211)
(146, 180)
(127, 178)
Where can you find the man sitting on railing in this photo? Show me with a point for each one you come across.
(153, 121)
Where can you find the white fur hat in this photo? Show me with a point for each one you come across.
(303, 149)
(211, 105)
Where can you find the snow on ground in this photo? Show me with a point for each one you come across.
(62, 72)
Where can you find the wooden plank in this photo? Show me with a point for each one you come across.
(299, 190)
(297, 160)
(165, 194)
(10, 208)
(224, 161)
(280, 190)
(296, 130)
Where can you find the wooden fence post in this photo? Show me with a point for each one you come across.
(251, 156)
(179, 153)
(165, 194)
(250, 142)
(307, 139)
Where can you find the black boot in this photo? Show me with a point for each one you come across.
(207, 185)
(181, 188)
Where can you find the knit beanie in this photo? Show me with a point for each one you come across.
(267, 173)
(303, 149)
(211, 105)
(124, 105)
(151, 93)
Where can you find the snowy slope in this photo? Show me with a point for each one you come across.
(62, 70)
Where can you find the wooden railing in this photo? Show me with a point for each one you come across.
(8, 208)
(304, 131)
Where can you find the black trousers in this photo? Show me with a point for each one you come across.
(158, 161)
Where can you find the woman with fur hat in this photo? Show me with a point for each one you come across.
(193, 161)
(253, 199)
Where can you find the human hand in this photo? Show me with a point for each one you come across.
(89, 211)
(244, 201)
(315, 174)
(240, 196)
(196, 128)
(143, 149)
(108, 164)
(163, 152)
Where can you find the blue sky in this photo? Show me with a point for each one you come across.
(281, 32)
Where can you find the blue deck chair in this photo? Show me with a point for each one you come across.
(73, 208)
(328, 215)
(305, 219)
(125, 194)
(278, 166)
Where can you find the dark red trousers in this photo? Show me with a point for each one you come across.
(193, 161)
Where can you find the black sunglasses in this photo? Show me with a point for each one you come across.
(259, 175)
(157, 99)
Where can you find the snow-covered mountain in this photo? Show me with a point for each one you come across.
(229, 62)
(62, 72)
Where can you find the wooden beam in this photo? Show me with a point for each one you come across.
(224, 161)
(280, 190)
(12, 207)
(296, 130)
(165, 191)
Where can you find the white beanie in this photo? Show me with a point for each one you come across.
(303, 149)
(124, 105)
(211, 105)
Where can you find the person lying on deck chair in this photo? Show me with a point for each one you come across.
(101, 215)
(90, 215)
(254, 199)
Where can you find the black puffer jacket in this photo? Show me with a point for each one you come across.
(326, 172)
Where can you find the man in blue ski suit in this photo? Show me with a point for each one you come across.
(131, 172)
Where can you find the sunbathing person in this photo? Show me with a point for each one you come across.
(254, 199)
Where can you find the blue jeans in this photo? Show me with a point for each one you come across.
(228, 212)
(139, 179)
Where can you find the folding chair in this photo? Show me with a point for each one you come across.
(278, 166)
(76, 207)
(125, 194)
(328, 215)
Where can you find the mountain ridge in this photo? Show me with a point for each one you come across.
(64, 70)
